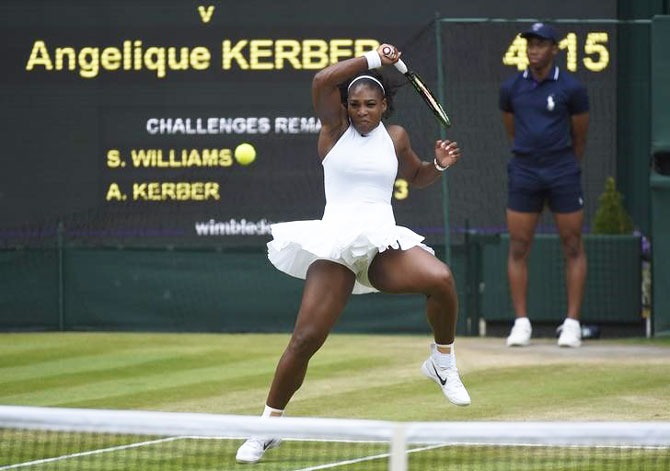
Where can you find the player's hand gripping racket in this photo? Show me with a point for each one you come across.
(421, 88)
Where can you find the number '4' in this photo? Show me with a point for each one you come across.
(516, 54)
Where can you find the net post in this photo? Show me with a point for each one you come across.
(61, 271)
(398, 461)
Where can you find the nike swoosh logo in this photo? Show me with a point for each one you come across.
(443, 381)
(266, 445)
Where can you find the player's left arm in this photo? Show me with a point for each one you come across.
(417, 172)
(579, 126)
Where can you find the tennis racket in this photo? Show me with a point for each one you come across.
(421, 88)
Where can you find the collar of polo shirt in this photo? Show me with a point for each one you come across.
(552, 76)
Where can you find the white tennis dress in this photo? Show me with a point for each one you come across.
(358, 222)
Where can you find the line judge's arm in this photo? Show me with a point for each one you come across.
(508, 121)
(505, 105)
(579, 125)
(417, 172)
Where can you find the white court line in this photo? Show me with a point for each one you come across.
(544, 445)
(441, 445)
(365, 458)
(87, 453)
(150, 442)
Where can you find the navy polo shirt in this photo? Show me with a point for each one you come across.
(542, 110)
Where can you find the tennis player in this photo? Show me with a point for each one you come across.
(357, 247)
(545, 113)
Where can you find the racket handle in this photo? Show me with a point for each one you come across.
(400, 65)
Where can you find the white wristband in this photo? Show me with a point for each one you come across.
(438, 166)
(374, 61)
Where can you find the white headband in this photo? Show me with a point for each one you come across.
(367, 77)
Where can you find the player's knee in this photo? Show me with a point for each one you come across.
(442, 281)
(305, 342)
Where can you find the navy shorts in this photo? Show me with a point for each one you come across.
(534, 181)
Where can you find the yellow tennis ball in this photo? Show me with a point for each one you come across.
(245, 154)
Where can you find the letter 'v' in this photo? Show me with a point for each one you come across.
(206, 13)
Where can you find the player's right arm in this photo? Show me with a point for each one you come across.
(328, 102)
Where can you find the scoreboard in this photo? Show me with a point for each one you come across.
(123, 122)
(125, 126)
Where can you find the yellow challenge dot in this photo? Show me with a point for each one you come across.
(245, 154)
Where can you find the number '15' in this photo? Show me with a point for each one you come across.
(595, 48)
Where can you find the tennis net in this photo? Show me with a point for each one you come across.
(96, 440)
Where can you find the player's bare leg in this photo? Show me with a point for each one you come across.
(327, 288)
(570, 230)
(417, 271)
(521, 227)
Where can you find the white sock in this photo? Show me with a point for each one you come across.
(569, 321)
(271, 412)
(522, 321)
(443, 360)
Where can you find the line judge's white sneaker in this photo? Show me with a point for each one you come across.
(254, 448)
(449, 381)
(571, 334)
(520, 334)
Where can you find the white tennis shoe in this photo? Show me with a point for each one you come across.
(520, 334)
(253, 449)
(449, 381)
(571, 334)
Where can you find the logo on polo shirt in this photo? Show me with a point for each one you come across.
(551, 104)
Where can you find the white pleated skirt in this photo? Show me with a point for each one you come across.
(351, 236)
